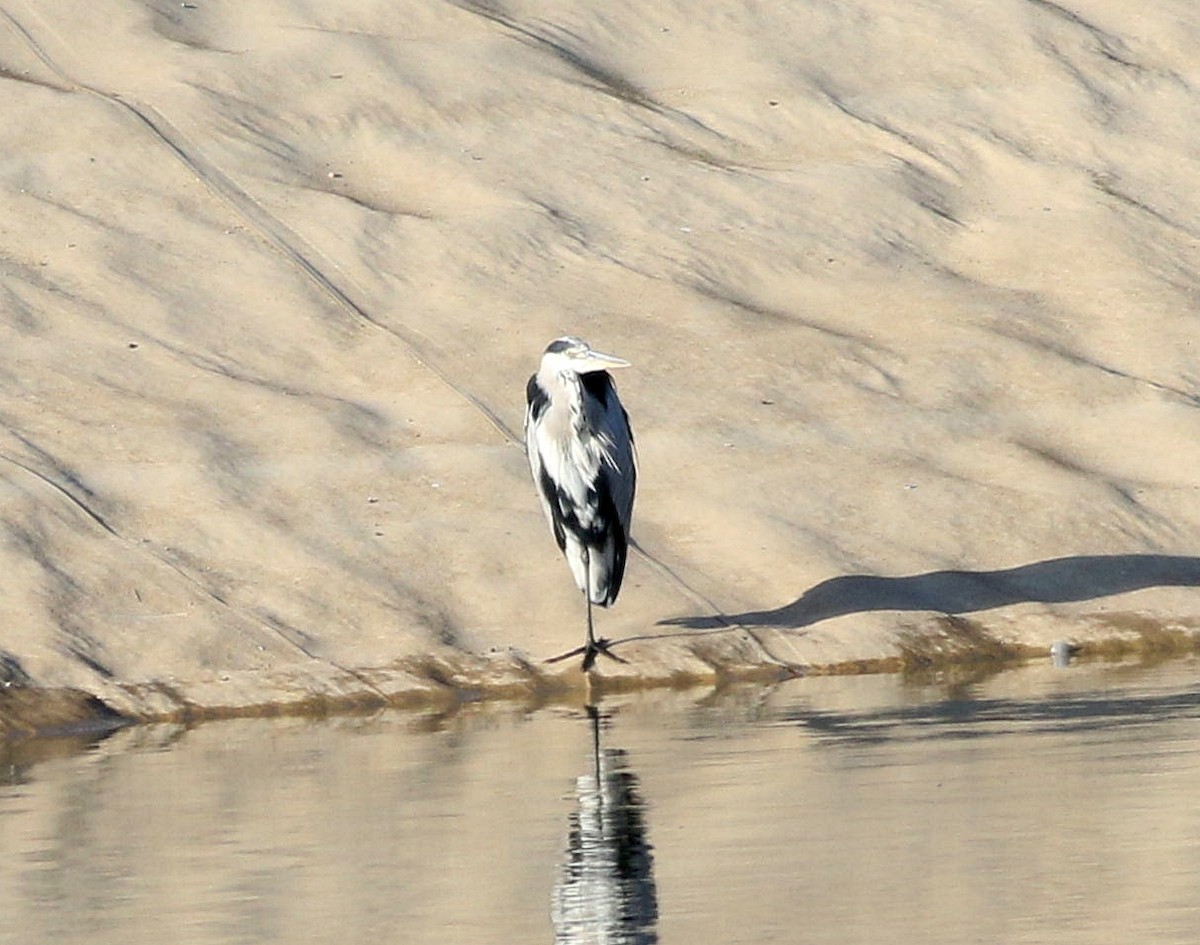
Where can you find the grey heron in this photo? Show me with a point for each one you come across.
(581, 455)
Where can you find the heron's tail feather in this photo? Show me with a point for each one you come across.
(606, 566)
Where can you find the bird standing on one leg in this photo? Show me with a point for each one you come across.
(581, 455)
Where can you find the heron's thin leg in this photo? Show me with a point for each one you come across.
(587, 593)
(592, 647)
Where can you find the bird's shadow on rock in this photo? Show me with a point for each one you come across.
(1055, 581)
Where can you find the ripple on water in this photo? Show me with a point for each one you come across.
(1042, 804)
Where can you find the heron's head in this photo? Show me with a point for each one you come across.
(572, 354)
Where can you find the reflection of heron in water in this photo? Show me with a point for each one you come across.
(606, 893)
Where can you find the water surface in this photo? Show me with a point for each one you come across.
(1042, 805)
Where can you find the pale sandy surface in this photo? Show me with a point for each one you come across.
(908, 288)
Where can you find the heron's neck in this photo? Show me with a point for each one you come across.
(565, 391)
(560, 384)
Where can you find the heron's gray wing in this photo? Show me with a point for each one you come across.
(615, 481)
(615, 489)
(618, 471)
(536, 404)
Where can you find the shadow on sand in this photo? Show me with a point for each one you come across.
(1057, 581)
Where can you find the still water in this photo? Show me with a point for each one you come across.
(1046, 805)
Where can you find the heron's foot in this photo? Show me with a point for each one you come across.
(590, 651)
(595, 648)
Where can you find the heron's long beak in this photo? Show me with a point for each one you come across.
(599, 361)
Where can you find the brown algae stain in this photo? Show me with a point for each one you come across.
(450, 682)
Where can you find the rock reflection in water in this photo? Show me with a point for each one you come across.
(606, 890)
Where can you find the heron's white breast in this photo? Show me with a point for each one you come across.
(571, 455)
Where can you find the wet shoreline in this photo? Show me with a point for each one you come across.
(446, 684)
